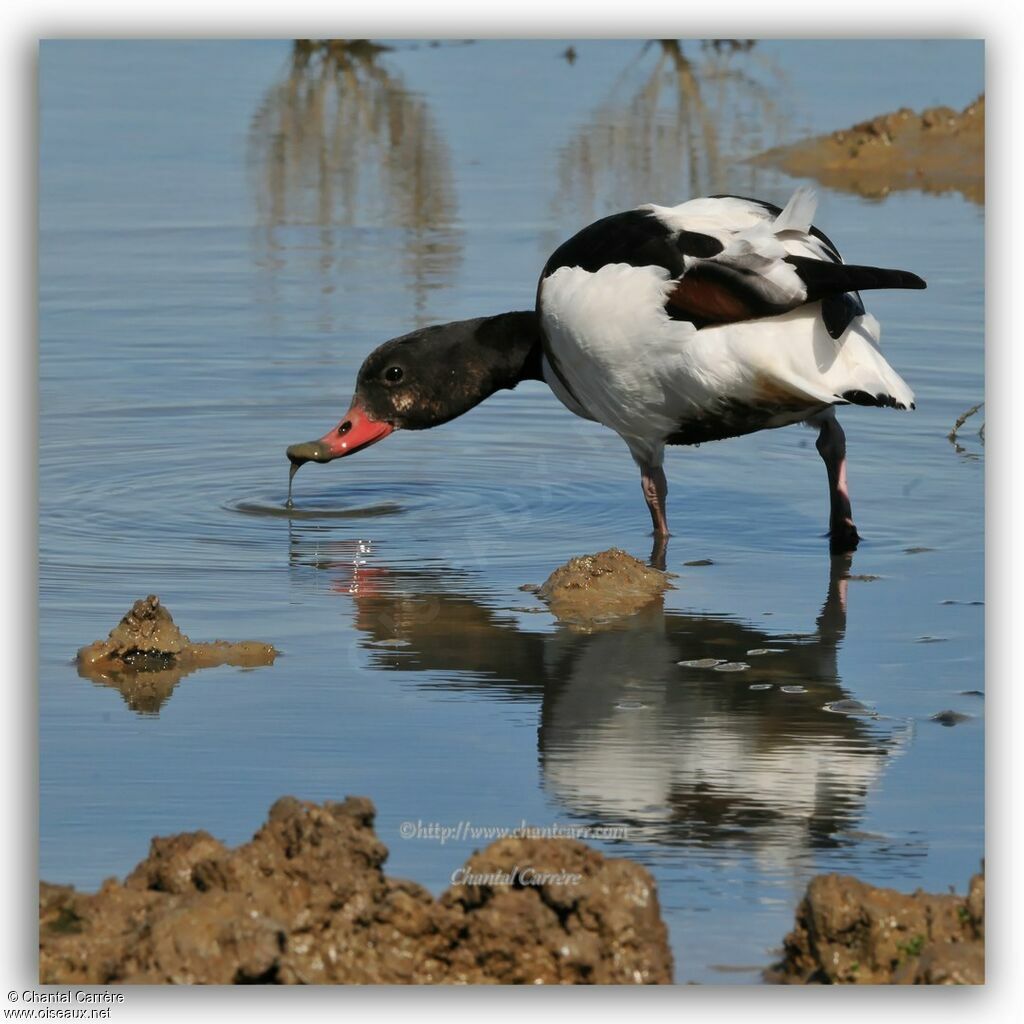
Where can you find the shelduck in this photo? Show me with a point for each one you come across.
(670, 325)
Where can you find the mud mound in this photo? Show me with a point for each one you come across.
(146, 655)
(306, 901)
(594, 589)
(849, 932)
(938, 150)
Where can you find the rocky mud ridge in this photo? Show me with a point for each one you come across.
(938, 150)
(307, 901)
(849, 932)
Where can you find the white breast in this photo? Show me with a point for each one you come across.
(608, 341)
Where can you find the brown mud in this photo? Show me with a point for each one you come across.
(307, 901)
(849, 932)
(938, 150)
(592, 590)
(146, 655)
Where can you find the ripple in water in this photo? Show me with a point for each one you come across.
(311, 510)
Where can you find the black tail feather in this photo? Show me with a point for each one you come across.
(825, 279)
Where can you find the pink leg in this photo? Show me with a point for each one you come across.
(655, 488)
(831, 446)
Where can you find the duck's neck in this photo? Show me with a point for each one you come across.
(507, 346)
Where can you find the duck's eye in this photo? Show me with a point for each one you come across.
(393, 374)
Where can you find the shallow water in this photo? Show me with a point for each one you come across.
(222, 241)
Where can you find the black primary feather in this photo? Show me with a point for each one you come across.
(825, 279)
(838, 312)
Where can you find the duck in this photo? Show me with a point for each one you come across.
(670, 325)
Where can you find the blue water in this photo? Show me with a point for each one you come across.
(221, 243)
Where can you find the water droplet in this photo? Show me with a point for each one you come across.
(766, 650)
(760, 686)
(793, 689)
(732, 666)
(292, 470)
(630, 705)
(701, 663)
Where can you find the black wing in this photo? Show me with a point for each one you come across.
(713, 292)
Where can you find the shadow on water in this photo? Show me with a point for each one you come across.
(777, 758)
(671, 130)
(342, 143)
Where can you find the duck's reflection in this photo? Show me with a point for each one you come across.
(628, 735)
(339, 144)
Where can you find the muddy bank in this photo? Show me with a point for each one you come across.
(595, 589)
(146, 655)
(849, 932)
(307, 901)
(938, 150)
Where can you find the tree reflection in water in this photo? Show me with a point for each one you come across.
(341, 143)
(672, 130)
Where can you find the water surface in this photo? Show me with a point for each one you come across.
(224, 236)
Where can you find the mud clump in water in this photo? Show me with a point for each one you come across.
(594, 589)
(146, 655)
(938, 150)
(849, 932)
(307, 901)
(949, 718)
